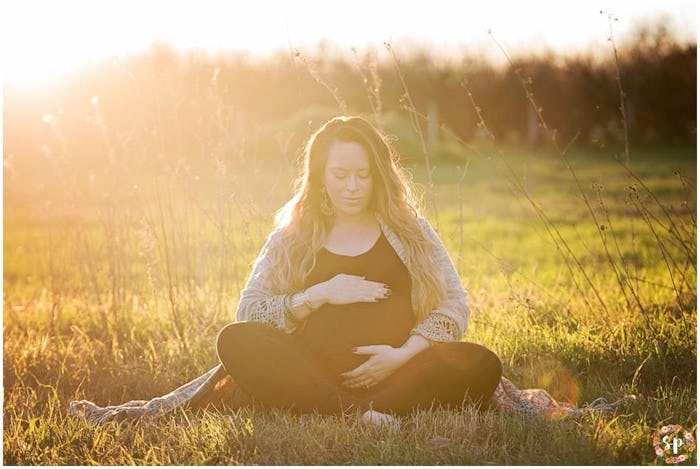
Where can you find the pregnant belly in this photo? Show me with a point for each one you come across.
(334, 330)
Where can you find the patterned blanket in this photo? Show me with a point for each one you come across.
(216, 386)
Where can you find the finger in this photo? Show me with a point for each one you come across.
(367, 350)
(370, 291)
(373, 286)
(349, 375)
(357, 378)
(371, 297)
(365, 371)
(380, 290)
(386, 292)
(359, 381)
(357, 384)
(358, 277)
(356, 373)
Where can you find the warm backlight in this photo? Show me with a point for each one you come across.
(43, 41)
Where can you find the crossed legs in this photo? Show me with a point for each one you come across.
(277, 369)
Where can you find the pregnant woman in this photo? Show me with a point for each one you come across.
(353, 303)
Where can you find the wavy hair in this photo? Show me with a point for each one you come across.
(303, 228)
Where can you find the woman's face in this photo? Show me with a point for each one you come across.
(348, 178)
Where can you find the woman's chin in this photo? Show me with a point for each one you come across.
(352, 211)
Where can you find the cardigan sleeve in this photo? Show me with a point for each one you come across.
(259, 301)
(450, 319)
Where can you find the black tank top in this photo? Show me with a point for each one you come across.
(334, 330)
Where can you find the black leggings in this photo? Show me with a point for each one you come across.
(277, 369)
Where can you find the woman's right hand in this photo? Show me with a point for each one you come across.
(344, 289)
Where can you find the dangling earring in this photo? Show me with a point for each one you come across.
(327, 207)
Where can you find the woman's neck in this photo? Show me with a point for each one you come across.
(361, 219)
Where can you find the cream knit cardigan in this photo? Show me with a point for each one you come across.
(261, 301)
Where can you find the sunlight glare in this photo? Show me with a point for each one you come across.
(43, 41)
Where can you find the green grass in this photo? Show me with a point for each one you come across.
(111, 296)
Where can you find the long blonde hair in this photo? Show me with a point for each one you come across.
(303, 228)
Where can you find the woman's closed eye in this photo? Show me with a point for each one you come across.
(361, 175)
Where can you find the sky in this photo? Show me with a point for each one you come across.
(43, 40)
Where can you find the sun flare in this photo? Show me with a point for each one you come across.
(46, 40)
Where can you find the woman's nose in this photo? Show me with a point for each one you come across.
(352, 182)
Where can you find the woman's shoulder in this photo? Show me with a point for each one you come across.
(425, 226)
(422, 221)
(274, 238)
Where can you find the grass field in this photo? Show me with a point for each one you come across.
(115, 288)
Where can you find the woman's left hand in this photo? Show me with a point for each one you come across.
(383, 361)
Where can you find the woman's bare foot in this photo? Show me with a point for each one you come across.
(377, 418)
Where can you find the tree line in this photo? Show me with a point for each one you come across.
(164, 105)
